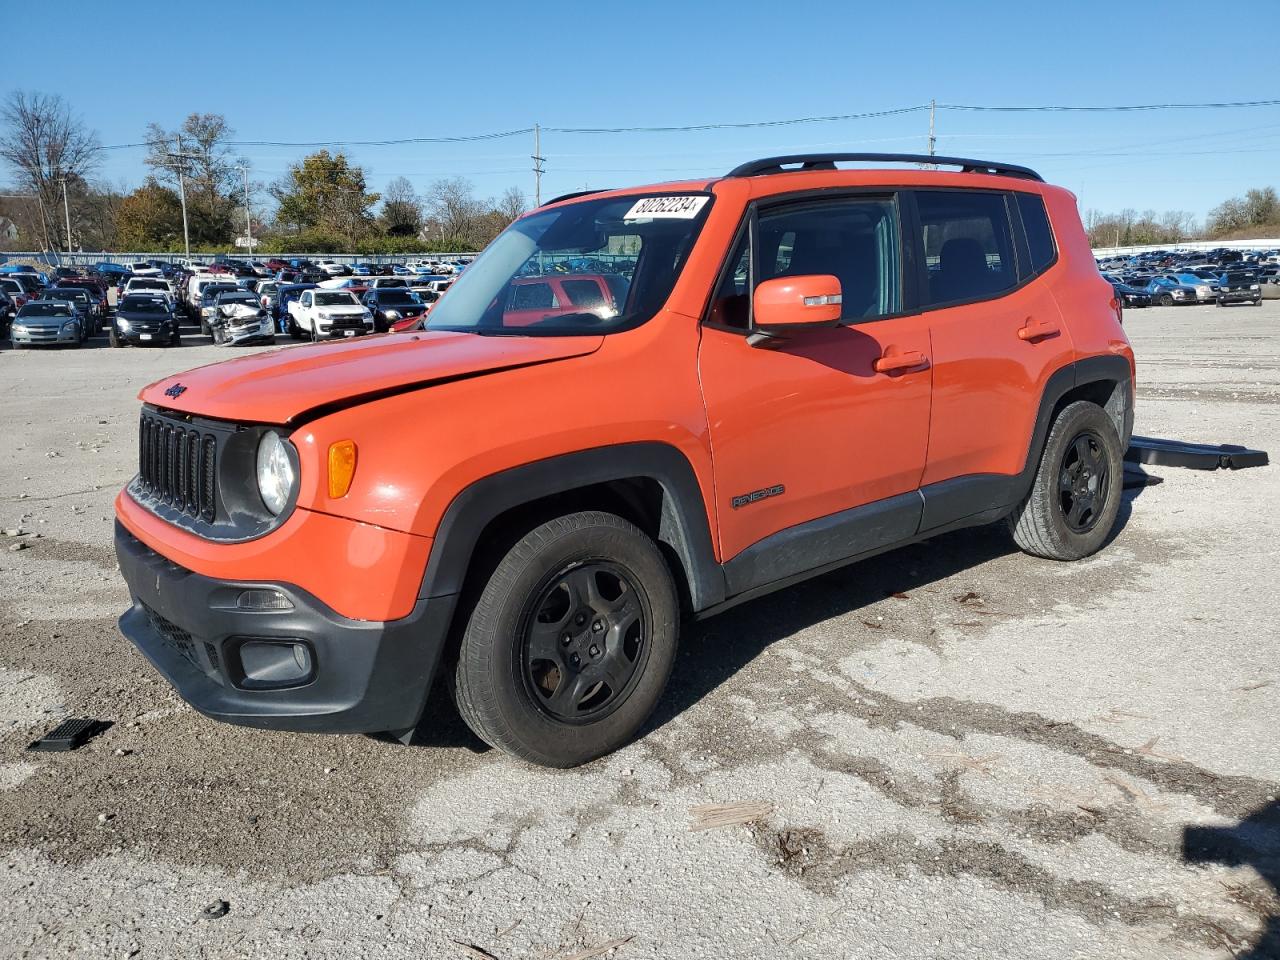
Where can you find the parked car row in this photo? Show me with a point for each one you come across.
(1170, 278)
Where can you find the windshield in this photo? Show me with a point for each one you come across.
(590, 267)
(402, 295)
(335, 300)
(143, 305)
(45, 309)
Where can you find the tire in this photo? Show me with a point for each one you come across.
(1258, 302)
(204, 327)
(315, 334)
(113, 338)
(1221, 303)
(1165, 300)
(1068, 524)
(563, 710)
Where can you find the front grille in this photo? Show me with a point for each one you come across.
(177, 465)
(173, 635)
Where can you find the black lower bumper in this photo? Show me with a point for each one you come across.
(363, 677)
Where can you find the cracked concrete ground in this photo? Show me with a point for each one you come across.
(966, 752)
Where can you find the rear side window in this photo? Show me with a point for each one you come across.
(1035, 223)
(968, 246)
(584, 293)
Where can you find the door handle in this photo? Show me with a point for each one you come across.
(1038, 329)
(897, 362)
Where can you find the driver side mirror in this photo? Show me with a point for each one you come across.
(788, 303)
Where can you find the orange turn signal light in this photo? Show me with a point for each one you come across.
(342, 467)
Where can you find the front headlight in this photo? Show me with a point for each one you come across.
(70, 326)
(276, 476)
(18, 328)
(1254, 286)
(122, 323)
(392, 314)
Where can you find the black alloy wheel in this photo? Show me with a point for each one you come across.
(585, 642)
(1083, 482)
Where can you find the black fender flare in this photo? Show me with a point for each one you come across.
(684, 525)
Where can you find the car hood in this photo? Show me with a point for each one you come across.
(287, 386)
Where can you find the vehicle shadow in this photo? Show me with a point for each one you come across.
(712, 651)
(1253, 842)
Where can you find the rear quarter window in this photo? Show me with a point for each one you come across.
(1035, 223)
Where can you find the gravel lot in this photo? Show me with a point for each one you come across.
(964, 752)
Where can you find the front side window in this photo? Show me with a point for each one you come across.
(855, 240)
(968, 247)
(630, 249)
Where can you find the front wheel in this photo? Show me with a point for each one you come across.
(113, 337)
(1075, 495)
(571, 642)
(1165, 300)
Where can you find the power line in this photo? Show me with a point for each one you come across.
(749, 125)
(1124, 108)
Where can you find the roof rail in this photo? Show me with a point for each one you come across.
(828, 161)
(574, 196)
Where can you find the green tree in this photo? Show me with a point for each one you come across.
(401, 214)
(150, 218)
(325, 194)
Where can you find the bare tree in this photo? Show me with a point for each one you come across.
(199, 152)
(511, 204)
(452, 206)
(44, 142)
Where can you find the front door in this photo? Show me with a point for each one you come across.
(831, 418)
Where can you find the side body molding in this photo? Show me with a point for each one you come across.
(683, 524)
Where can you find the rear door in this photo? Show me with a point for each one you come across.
(997, 335)
(805, 428)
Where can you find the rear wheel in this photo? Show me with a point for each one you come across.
(571, 641)
(1075, 495)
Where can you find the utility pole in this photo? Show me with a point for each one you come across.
(248, 217)
(538, 160)
(66, 209)
(933, 141)
(182, 191)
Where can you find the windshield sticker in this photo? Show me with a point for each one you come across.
(666, 208)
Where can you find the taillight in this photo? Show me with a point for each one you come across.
(1117, 304)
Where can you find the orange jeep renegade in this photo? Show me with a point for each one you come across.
(637, 406)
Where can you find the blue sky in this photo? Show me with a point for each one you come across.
(377, 70)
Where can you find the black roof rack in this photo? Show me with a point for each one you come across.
(828, 161)
(574, 196)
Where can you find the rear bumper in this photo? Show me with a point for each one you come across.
(363, 677)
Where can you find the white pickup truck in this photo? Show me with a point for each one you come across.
(328, 313)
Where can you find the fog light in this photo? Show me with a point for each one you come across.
(266, 664)
(263, 600)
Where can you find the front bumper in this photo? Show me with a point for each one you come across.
(364, 677)
(1239, 296)
(36, 336)
(156, 333)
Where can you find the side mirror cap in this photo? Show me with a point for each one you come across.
(785, 303)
